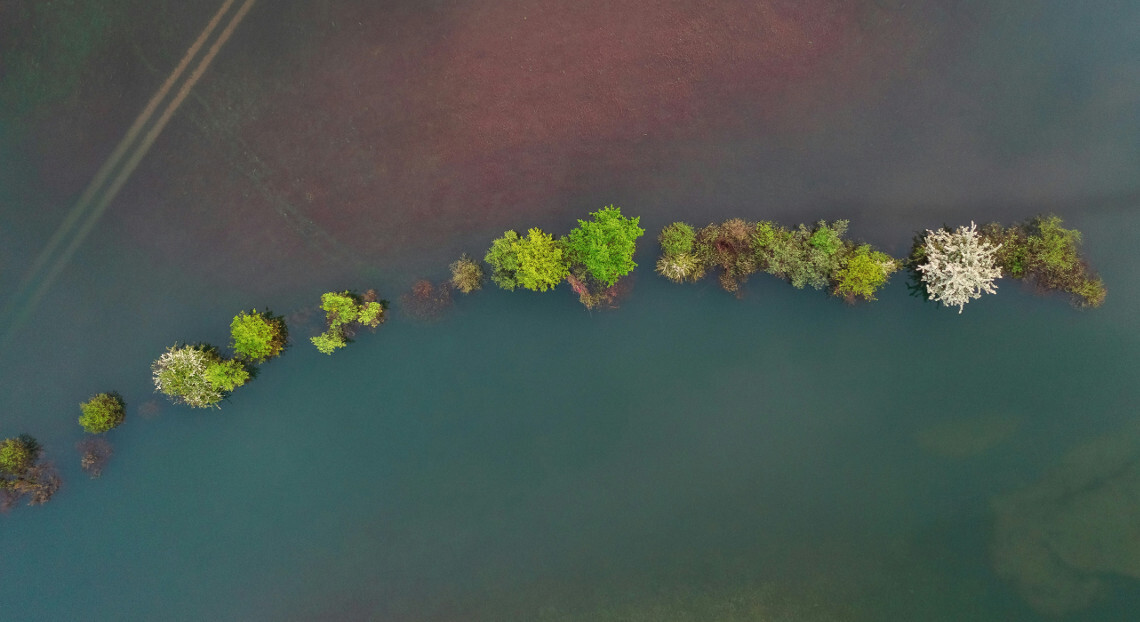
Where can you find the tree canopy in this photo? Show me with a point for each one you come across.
(258, 336)
(504, 260)
(102, 412)
(604, 245)
(541, 260)
(345, 312)
(863, 272)
(196, 375)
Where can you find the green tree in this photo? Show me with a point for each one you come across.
(604, 246)
(17, 455)
(196, 375)
(803, 256)
(22, 475)
(258, 336)
(344, 313)
(102, 412)
(542, 263)
(677, 239)
(466, 275)
(227, 374)
(504, 261)
(329, 342)
(863, 272)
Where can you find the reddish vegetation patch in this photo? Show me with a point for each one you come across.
(426, 301)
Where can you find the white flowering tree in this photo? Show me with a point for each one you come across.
(960, 266)
(196, 376)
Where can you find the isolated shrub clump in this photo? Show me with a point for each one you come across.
(102, 412)
(345, 313)
(466, 275)
(196, 375)
(1045, 253)
(957, 266)
(258, 336)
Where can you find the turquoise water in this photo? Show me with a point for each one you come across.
(689, 456)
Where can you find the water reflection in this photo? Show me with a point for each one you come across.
(1058, 538)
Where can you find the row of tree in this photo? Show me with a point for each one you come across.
(951, 266)
(195, 375)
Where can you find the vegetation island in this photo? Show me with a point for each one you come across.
(948, 266)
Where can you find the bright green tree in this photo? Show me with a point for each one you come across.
(504, 261)
(102, 412)
(605, 244)
(542, 262)
(258, 336)
(344, 313)
(227, 374)
(863, 272)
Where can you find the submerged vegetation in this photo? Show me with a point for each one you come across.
(23, 474)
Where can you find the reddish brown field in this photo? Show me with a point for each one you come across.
(395, 131)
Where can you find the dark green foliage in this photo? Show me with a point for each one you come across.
(819, 256)
(504, 261)
(102, 412)
(466, 275)
(727, 246)
(1046, 253)
(604, 245)
(345, 312)
(804, 256)
(258, 336)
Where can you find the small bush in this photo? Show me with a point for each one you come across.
(677, 239)
(258, 337)
(102, 412)
(466, 275)
(863, 272)
(344, 313)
